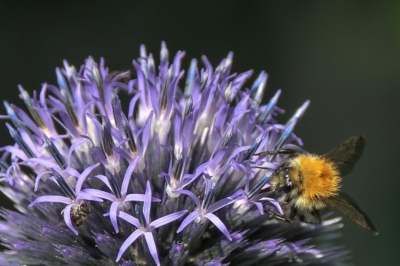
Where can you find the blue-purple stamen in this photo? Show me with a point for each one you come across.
(69, 192)
(140, 216)
(68, 106)
(254, 191)
(289, 128)
(14, 117)
(143, 59)
(4, 165)
(21, 143)
(257, 91)
(299, 113)
(98, 80)
(250, 152)
(55, 153)
(107, 141)
(164, 54)
(229, 94)
(264, 116)
(190, 78)
(113, 184)
(208, 198)
(177, 168)
(203, 81)
(227, 137)
(164, 99)
(188, 108)
(128, 134)
(32, 110)
(116, 107)
(63, 84)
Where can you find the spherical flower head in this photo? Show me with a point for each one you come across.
(154, 167)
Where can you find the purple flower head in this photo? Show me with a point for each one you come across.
(153, 167)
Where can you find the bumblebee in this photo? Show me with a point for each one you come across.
(308, 184)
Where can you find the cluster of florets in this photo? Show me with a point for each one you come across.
(169, 179)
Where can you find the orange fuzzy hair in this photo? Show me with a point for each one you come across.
(320, 178)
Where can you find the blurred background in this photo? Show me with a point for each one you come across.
(342, 55)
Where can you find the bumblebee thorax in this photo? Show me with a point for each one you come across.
(315, 176)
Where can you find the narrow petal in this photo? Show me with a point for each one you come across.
(59, 199)
(86, 196)
(127, 176)
(190, 218)
(114, 214)
(99, 194)
(39, 177)
(167, 219)
(218, 223)
(274, 202)
(67, 219)
(152, 247)
(129, 218)
(139, 197)
(147, 202)
(221, 203)
(128, 242)
(191, 195)
(83, 176)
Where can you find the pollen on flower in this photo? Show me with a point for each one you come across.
(168, 179)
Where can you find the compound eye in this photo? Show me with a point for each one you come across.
(286, 189)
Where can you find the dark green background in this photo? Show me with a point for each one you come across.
(342, 55)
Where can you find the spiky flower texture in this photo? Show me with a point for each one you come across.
(109, 170)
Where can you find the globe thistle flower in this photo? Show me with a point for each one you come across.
(109, 170)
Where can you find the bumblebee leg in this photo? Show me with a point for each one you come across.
(283, 151)
(262, 167)
(278, 216)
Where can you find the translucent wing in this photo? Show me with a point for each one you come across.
(346, 205)
(347, 153)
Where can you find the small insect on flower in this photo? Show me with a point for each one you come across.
(78, 214)
(308, 184)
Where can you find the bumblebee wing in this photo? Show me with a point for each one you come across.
(346, 205)
(347, 153)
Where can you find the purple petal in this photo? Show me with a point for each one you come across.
(59, 199)
(73, 147)
(274, 202)
(146, 133)
(128, 242)
(129, 218)
(191, 195)
(127, 176)
(147, 203)
(139, 197)
(167, 219)
(39, 177)
(104, 179)
(83, 176)
(16, 152)
(113, 215)
(152, 246)
(67, 219)
(218, 223)
(190, 218)
(85, 196)
(99, 194)
(44, 162)
(220, 204)
(259, 207)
